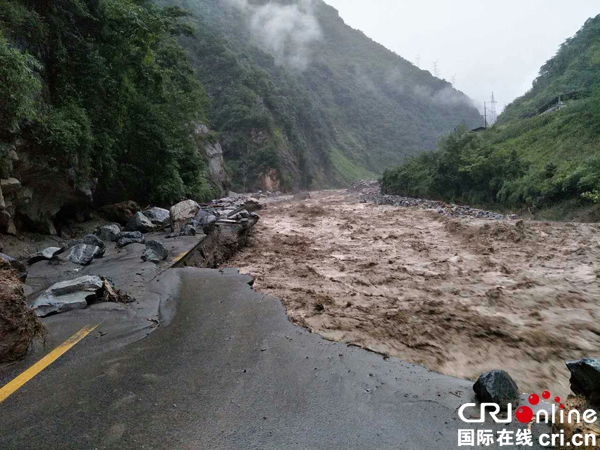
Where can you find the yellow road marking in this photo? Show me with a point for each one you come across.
(177, 258)
(19, 381)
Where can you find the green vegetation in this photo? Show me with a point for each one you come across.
(525, 160)
(102, 88)
(348, 111)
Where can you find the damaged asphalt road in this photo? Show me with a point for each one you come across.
(232, 372)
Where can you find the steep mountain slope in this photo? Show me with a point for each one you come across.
(298, 95)
(543, 152)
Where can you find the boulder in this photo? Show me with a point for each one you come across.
(139, 222)
(182, 213)
(10, 186)
(203, 220)
(252, 204)
(120, 212)
(155, 252)
(585, 378)
(158, 216)
(109, 233)
(92, 239)
(83, 254)
(45, 255)
(68, 295)
(19, 324)
(188, 230)
(130, 237)
(496, 387)
(15, 265)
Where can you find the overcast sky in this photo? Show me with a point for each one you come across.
(490, 46)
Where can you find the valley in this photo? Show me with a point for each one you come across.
(460, 296)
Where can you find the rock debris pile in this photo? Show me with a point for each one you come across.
(370, 192)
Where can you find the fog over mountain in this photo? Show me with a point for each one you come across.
(486, 46)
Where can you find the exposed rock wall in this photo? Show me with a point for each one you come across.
(214, 154)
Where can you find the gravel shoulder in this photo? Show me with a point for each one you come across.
(459, 296)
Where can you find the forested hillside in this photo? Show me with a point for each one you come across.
(110, 100)
(298, 94)
(96, 98)
(544, 151)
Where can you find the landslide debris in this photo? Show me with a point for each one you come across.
(19, 325)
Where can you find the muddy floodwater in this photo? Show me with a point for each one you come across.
(458, 296)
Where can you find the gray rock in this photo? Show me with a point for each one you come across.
(83, 254)
(585, 378)
(10, 186)
(182, 213)
(16, 265)
(68, 295)
(158, 216)
(92, 239)
(497, 387)
(45, 255)
(188, 230)
(155, 252)
(139, 222)
(109, 233)
(130, 237)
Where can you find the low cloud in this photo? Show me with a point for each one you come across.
(286, 31)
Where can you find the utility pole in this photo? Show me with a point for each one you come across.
(493, 115)
(418, 61)
(436, 70)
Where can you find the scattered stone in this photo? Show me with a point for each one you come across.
(15, 265)
(120, 212)
(585, 378)
(496, 387)
(181, 214)
(158, 216)
(130, 237)
(19, 325)
(109, 233)
(155, 252)
(139, 222)
(448, 210)
(92, 239)
(188, 230)
(68, 295)
(45, 255)
(83, 254)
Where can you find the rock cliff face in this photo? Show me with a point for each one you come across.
(212, 151)
(35, 196)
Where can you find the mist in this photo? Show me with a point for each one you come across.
(285, 31)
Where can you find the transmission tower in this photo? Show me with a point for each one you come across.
(436, 69)
(493, 114)
(418, 61)
(454, 80)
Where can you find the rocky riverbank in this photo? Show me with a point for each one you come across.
(370, 192)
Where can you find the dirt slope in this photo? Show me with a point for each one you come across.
(458, 296)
